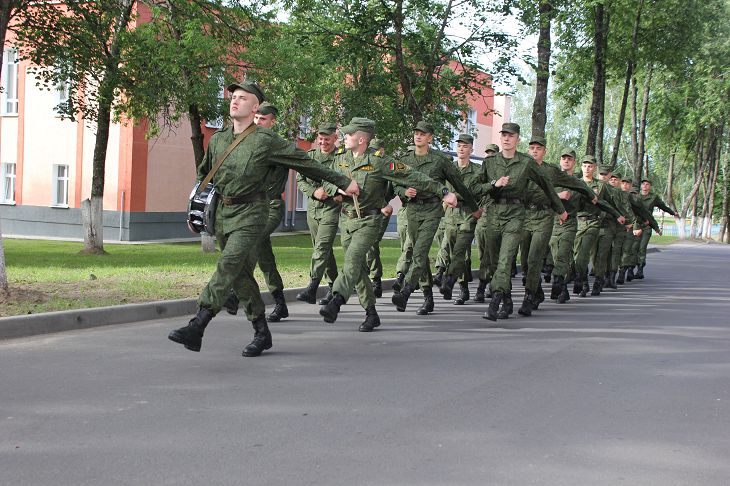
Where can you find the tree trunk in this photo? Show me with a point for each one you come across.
(539, 106)
(600, 37)
(642, 121)
(635, 161)
(724, 213)
(717, 152)
(4, 287)
(627, 84)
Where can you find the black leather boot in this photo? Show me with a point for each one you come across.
(231, 304)
(463, 294)
(640, 271)
(548, 273)
(327, 297)
(427, 306)
(621, 277)
(191, 336)
(526, 307)
(280, 309)
(261, 338)
(330, 310)
(585, 287)
(400, 299)
(372, 320)
(438, 278)
(539, 296)
(447, 286)
(630, 273)
(557, 287)
(479, 296)
(507, 307)
(493, 309)
(377, 287)
(309, 295)
(577, 284)
(564, 294)
(597, 286)
(400, 277)
(611, 280)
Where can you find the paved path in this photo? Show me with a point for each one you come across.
(632, 387)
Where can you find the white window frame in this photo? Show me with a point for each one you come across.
(305, 123)
(62, 95)
(302, 202)
(7, 182)
(218, 122)
(471, 121)
(9, 94)
(60, 181)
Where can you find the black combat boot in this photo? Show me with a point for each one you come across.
(577, 284)
(548, 273)
(427, 306)
(640, 271)
(585, 286)
(564, 294)
(280, 310)
(231, 304)
(464, 294)
(526, 307)
(507, 307)
(400, 299)
(261, 338)
(630, 273)
(309, 295)
(597, 286)
(400, 277)
(191, 336)
(489, 293)
(493, 309)
(330, 310)
(621, 276)
(557, 287)
(479, 296)
(447, 286)
(372, 320)
(611, 280)
(377, 287)
(439, 277)
(327, 297)
(539, 296)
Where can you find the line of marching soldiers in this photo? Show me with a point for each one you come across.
(561, 222)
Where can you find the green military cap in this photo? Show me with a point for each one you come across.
(627, 179)
(604, 169)
(589, 159)
(267, 108)
(358, 124)
(617, 175)
(567, 151)
(424, 127)
(492, 147)
(538, 140)
(510, 128)
(376, 143)
(249, 87)
(466, 138)
(645, 180)
(327, 128)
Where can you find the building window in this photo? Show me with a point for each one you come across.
(218, 122)
(9, 94)
(471, 121)
(305, 121)
(7, 184)
(302, 201)
(60, 185)
(63, 94)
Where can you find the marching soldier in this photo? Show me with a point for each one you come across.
(650, 201)
(363, 215)
(373, 258)
(242, 211)
(480, 234)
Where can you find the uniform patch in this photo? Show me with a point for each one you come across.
(379, 152)
(343, 165)
(398, 166)
(366, 167)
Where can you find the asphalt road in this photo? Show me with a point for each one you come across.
(632, 387)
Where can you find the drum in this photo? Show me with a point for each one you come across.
(201, 209)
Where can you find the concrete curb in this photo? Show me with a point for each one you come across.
(52, 322)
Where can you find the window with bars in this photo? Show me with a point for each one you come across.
(9, 94)
(60, 185)
(7, 183)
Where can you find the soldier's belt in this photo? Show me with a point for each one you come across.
(425, 200)
(538, 207)
(364, 212)
(588, 218)
(249, 198)
(508, 200)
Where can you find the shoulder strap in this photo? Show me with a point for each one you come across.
(225, 154)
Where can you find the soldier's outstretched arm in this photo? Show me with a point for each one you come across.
(465, 193)
(539, 178)
(402, 174)
(286, 154)
(564, 180)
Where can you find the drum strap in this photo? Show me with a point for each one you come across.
(225, 154)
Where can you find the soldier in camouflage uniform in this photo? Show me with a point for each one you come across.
(424, 213)
(373, 257)
(363, 216)
(480, 234)
(242, 211)
(649, 201)
(323, 215)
